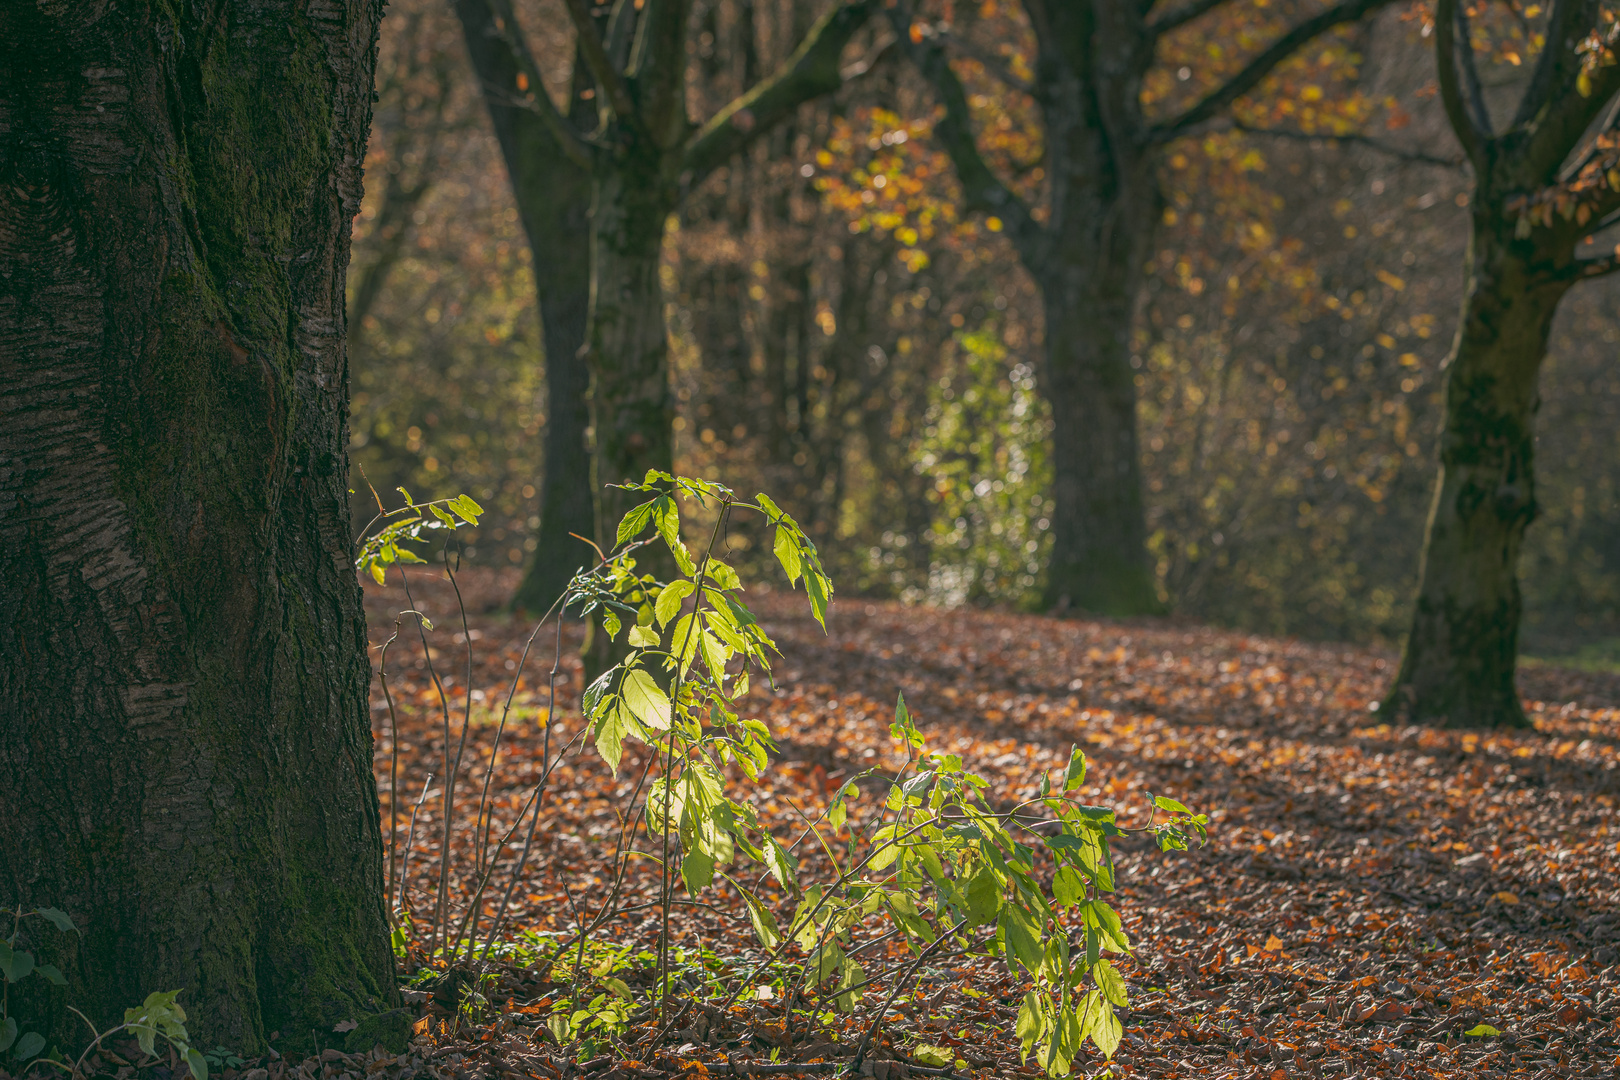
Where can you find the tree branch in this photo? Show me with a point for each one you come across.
(658, 66)
(596, 58)
(494, 19)
(812, 71)
(1470, 72)
(993, 64)
(1262, 65)
(1381, 147)
(982, 190)
(1558, 126)
(1181, 16)
(1548, 65)
(1445, 61)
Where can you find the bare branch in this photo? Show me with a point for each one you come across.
(1445, 57)
(811, 72)
(1400, 153)
(1181, 16)
(982, 190)
(495, 21)
(1548, 65)
(596, 58)
(1470, 72)
(1262, 65)
(995, 65)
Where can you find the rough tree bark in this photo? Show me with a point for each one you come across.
(1086, 257)
(185, 753)
(553, 194)
(1533, 208)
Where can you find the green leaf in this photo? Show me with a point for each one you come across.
(817, 586)
(1022, 935)
(643, 637)
(610, 734)
(1077, 770)
(983, 895)
(15, 966)
(58, 919)
(837, 814)
(197, 1064)
(591, 700)
(1171, 805)
(8, 1033)
(645, 700)
(466, 509)
(764, 923)
(51, 974)
(787, 553)
(610, 623)
(1031, 1022)
(633, 522)
(1068, 887)
(781, 864)
(619, 987)
(666, 518)
(669, 601)
(938, 1056)
(1109, 981)
(1105, 921)
(1106, 1030)
(1482, 1031)
(29, 1046)
(697, 870)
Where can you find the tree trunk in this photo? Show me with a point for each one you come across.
(632, 403)
(553, 196)
(1457, 669)
(1090, 279)
(185, 754)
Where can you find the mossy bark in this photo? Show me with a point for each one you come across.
(1458, 665)
(185, 752)
(553, 195)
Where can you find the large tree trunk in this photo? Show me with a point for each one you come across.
(1090, 278)
(632, 402)
(185, 756)
(553, 196)
(1457, 669)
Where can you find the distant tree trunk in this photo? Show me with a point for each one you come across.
(553, 195)
(1529, 231)
(1460, 656)
(185, 754)
(632, 403)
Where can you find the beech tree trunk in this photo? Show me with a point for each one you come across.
(553, 196)
(1458, 665)
(185, 753)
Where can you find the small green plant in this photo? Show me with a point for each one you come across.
(939, 863)
(159, 1015)
(15, 966)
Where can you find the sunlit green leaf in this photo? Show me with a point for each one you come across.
(644, 698)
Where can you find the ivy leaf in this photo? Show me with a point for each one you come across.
(8, 1033)
(51, 974)
(15, 966)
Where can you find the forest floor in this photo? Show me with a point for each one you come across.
(1368, 894)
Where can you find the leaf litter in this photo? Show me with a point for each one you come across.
(1373, 901)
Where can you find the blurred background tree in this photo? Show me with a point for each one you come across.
(842, 331)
